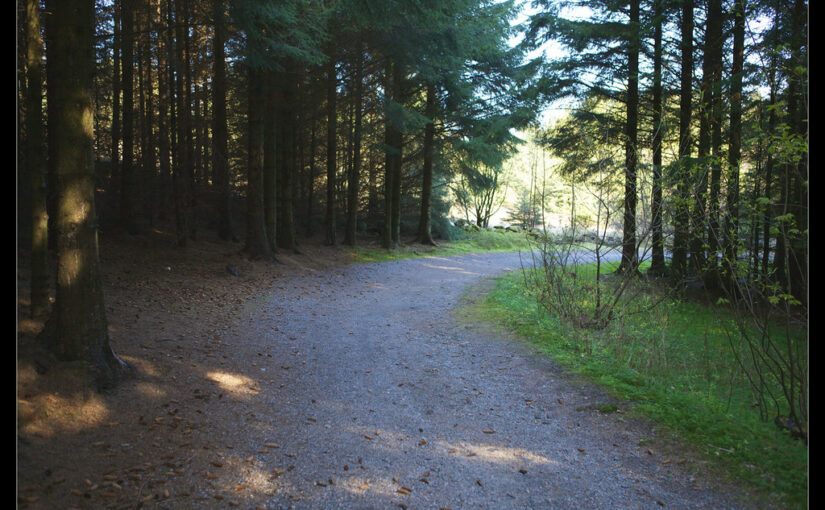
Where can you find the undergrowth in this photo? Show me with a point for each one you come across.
(676, 367)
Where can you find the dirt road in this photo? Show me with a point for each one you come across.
(357, 388)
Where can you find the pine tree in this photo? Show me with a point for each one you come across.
(77, 327)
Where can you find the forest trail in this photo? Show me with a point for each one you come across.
(356, 387)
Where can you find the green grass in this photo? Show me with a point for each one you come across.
(477, 242)
(676, 367)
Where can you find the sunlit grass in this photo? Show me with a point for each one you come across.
(477, 242)
(676, 366)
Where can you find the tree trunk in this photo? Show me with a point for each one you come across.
(190, 205)
(272, 126)
(220, 133)
(629, 254)
(36, 164)
(127, 177)
(714, 54)
(183, 118)
(389, 160)
(332, 82)
(397, 144)
(311, 180)
(424, 228)
(355, 169)
(164, 149)
(114, 175)
(657, 264)
(286, 171)
(257, 244)
(798, 178)
(699, 221)
(731, 237)
(77, 327)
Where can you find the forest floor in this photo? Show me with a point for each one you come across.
(316, 383)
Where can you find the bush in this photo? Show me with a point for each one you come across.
(442, 228)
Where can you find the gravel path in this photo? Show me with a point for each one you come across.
(376, 398)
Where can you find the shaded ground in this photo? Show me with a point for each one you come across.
(319, 385)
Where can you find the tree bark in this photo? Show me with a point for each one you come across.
(127, 177)
(220, 132)
(424, 225)
(114, 175)
(77, 327)
(286, 171)
(657, 264)
(272, 128)
(714, 54)
(332, 82)
(36, 164)
(257, 244)
(182, 167)
(731, 237)
(678, 264)
(629, 254)
(355, 167)
(164, 149)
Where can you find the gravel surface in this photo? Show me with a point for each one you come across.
(377, 398)
(300, 386)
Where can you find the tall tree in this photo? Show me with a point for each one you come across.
(353, 186)
(683, 165)
(36, 164)
(289, 79)
(629, 249)
(657, 264)
(731, 236)
(77, 327)
(257, 243)
(713, 59)
(128, 182)
(332, 166)
(424, 223)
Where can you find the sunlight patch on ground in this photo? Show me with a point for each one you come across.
(50, 414)
(450, 268)
(150, 390)
(495, 454)
(234, 383)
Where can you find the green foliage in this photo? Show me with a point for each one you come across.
(279, 31)
(676, 367)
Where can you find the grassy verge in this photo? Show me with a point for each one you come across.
(676, 367)
(478, 242)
